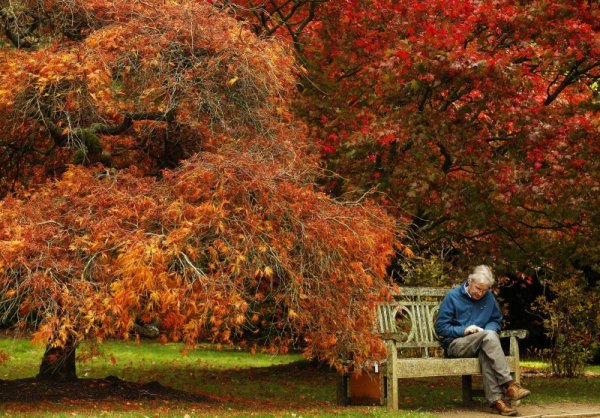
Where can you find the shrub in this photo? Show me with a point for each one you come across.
(571, 323)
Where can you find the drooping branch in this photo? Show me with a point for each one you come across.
(553, 223)
(16, 33)
(448, 162)
(281, 14)
(348, 73)
(61, 139)
(571, 77)
(86, 138)
(128, 119)
(426, 95)
(455, 94)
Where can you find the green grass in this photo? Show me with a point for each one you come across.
(243, 384)
(146, 355)
(590, 370)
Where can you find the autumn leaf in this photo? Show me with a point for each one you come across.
(232, 81)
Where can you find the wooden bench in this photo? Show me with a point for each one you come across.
(406, 324)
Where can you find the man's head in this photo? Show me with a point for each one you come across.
(480, 281)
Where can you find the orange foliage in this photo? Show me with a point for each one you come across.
(145, 84)
(228, 241)
(224, 247)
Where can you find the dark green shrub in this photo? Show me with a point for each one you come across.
(571, 321)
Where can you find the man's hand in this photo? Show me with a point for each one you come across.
(472, 329)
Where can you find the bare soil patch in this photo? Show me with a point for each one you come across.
(110, 388)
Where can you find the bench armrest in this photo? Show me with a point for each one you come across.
(519, 333)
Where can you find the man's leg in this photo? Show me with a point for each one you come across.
(467, 346)
(494, 368)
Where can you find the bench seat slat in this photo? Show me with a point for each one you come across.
(428, 367)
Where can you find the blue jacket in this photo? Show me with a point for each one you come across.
(458, 311)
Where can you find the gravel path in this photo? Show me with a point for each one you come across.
(531, 410)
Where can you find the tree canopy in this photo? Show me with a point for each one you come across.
(154, 174)
(476, 120)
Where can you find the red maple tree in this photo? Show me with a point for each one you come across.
(477, 120)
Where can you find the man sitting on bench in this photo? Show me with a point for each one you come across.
(468, 323)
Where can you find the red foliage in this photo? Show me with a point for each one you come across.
(479, 119)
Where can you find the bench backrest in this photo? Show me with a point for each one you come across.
(409, 318)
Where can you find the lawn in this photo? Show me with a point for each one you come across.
(238, 383)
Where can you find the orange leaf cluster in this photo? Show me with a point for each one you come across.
(223, 248)
(231, 242)
(145, 84)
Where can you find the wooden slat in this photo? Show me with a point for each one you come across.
(409, 303)
(430, 325)
(385, 319)
(410, 314)
(418, 323)
(422, 291)
(416, 344)
(428, 367)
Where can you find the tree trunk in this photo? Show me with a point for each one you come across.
(58, 363)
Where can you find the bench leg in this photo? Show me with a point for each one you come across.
(342, 389)
(514, 351)
(467, 389)
(382, 389)
(392, 392)
(392, 376)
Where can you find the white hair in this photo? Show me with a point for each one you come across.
(483, 275)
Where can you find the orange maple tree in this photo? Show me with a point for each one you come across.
(153, 174)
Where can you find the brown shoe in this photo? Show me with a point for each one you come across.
(515, 391)
(504, 409)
